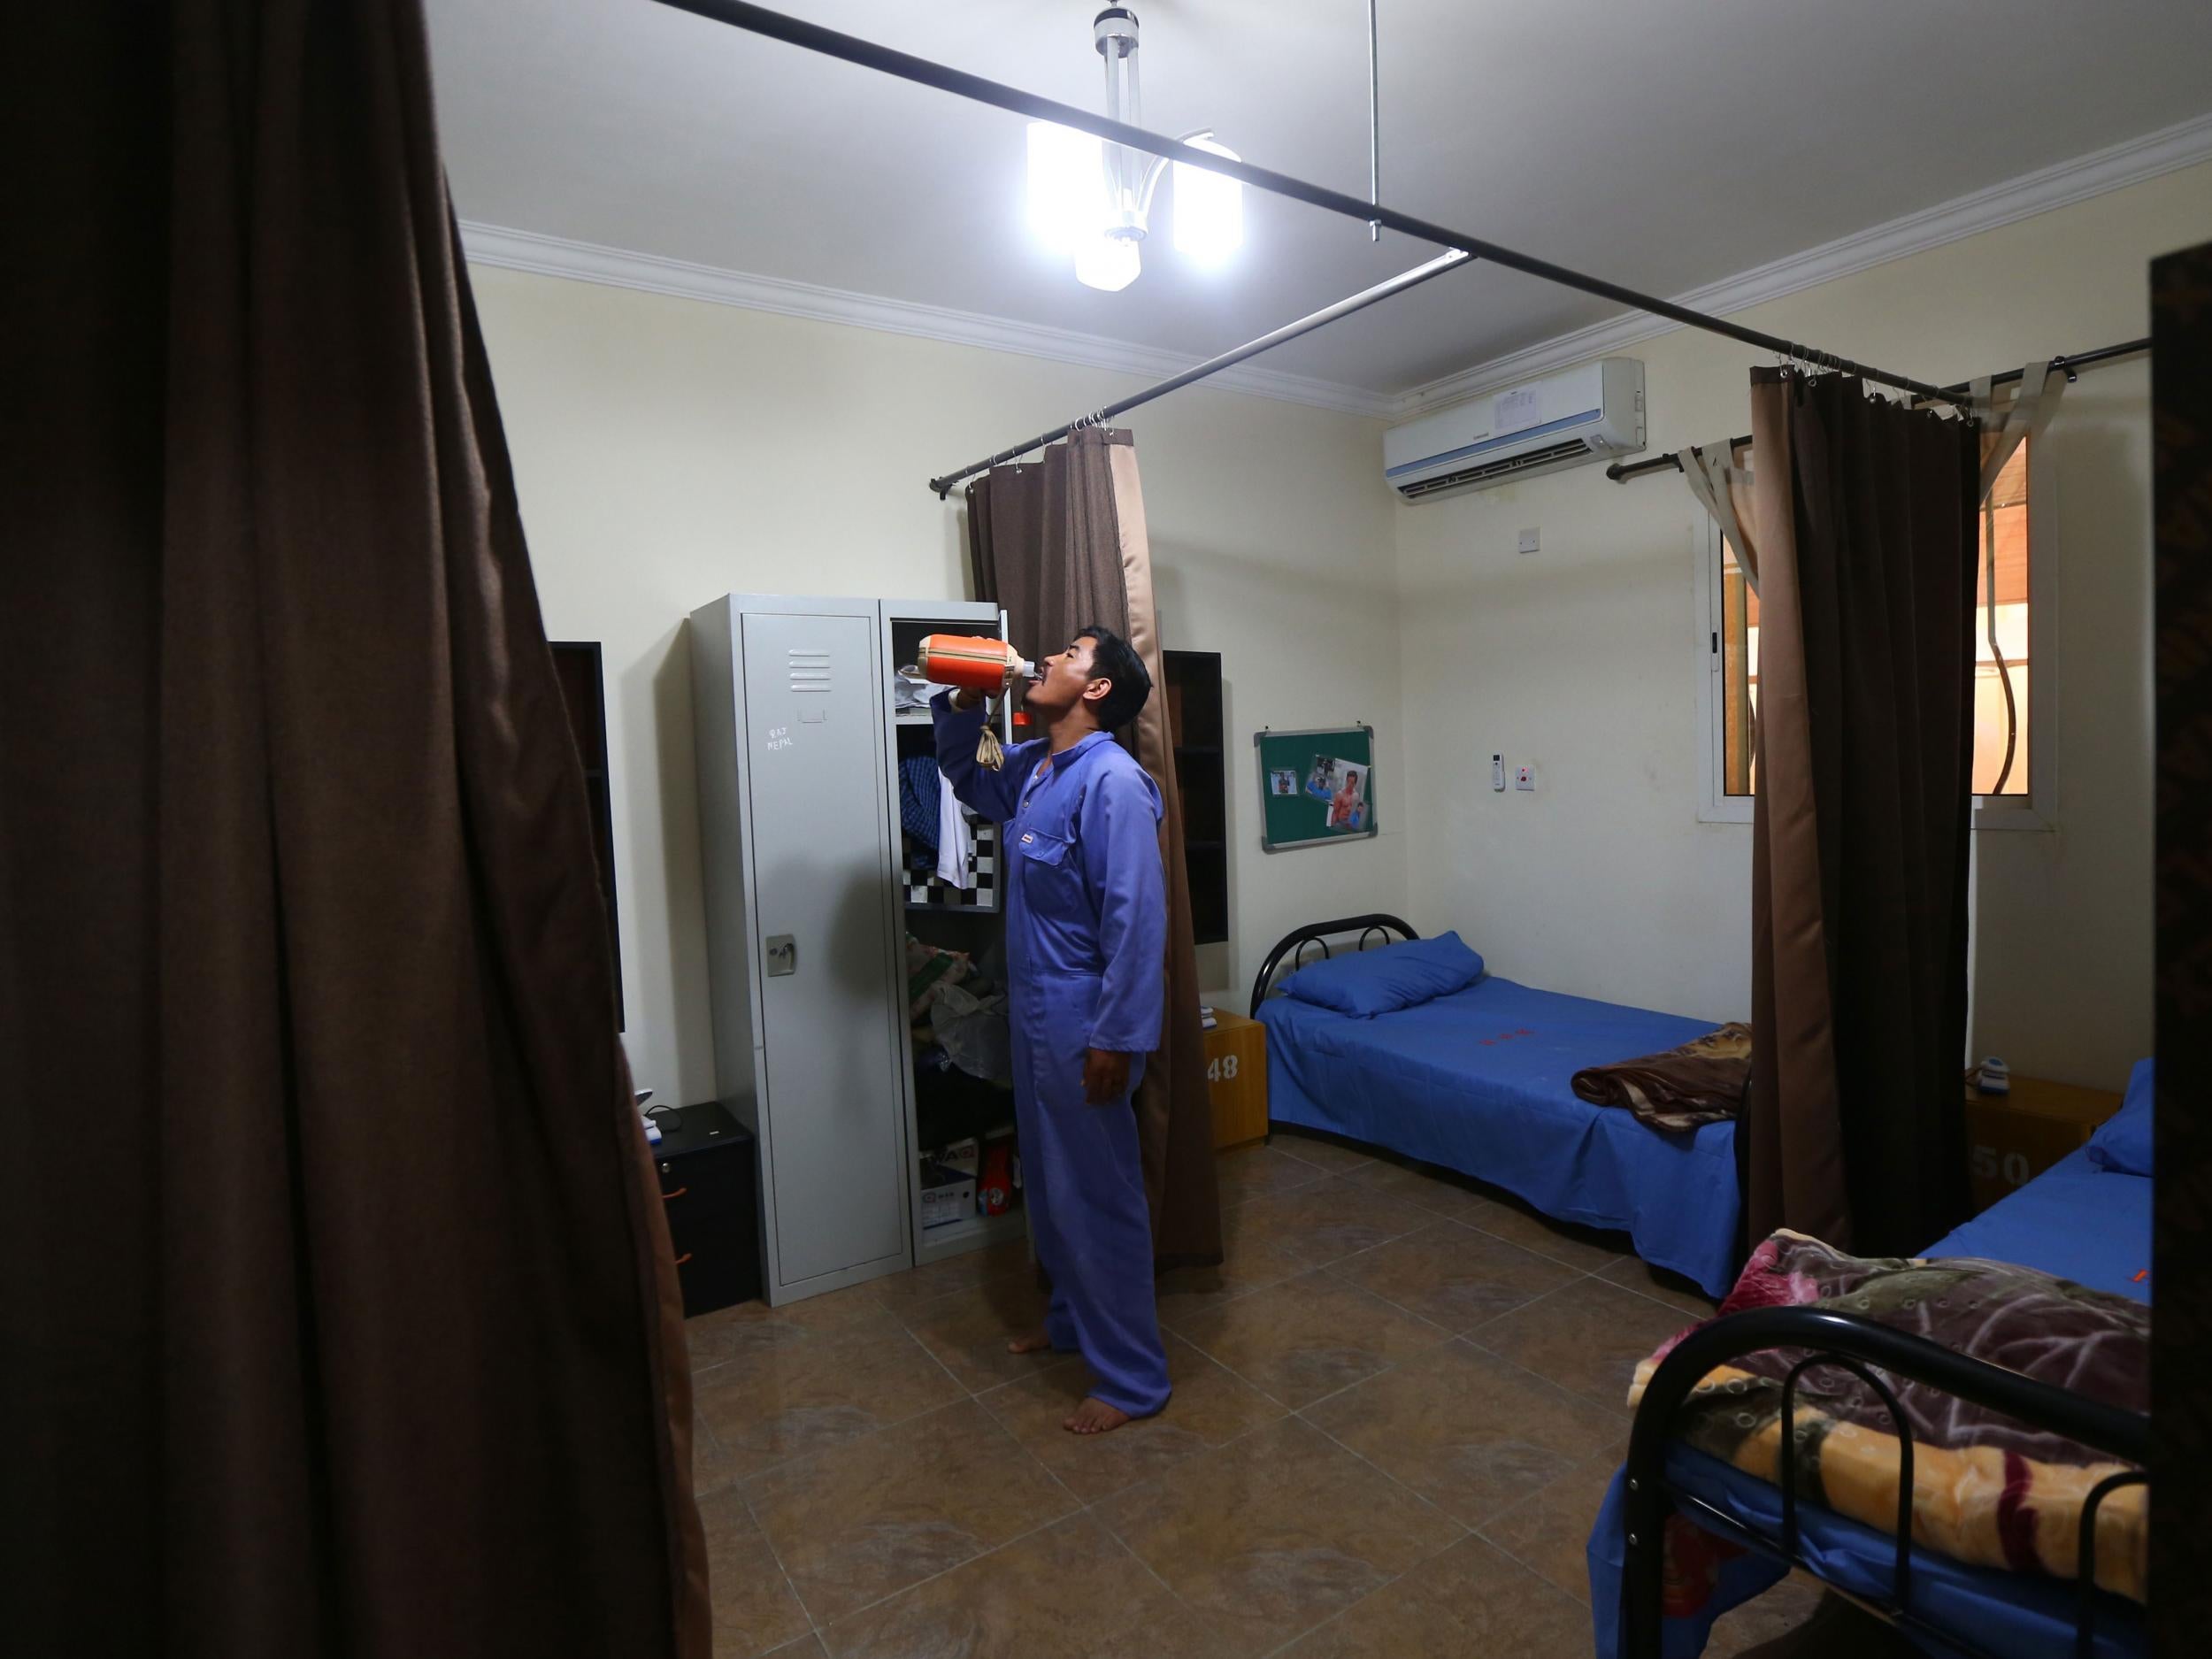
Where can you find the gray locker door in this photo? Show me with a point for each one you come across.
(826, 974)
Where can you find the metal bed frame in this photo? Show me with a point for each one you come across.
(1856, 1345)
(1294, 945)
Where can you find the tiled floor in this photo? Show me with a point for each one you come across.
(1397, 1404)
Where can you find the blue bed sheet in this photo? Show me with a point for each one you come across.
(2075, 1220)
(1478, 1081)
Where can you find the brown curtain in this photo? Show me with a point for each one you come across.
(1060, 543)
(339, 1311)
(2181, 1245)
(1865, 516)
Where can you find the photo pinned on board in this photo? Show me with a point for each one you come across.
(1342, 784)
(1283, 780)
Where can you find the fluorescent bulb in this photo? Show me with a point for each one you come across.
(1067, 187)
(1111, 263)
(1208, 208)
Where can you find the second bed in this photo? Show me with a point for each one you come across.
(1479, 1080)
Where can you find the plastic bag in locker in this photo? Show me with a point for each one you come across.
(973, 1033)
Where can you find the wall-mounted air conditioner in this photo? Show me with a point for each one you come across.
(1591, 413)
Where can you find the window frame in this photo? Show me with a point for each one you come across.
(2036, 809)
(2032, 811)
(1714, 806)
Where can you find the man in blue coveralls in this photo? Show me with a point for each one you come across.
(1085, 951)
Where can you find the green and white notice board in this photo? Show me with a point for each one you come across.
(1315, 786)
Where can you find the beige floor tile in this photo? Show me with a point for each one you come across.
(1323, 1155)
(1471, 1599)
(1584, 1248)
(1549, 1534)
(865, 1520)
(712, 1468)
(1661, 1286)
(1324, 1223)
(794, 1398)
(1211, 1405)
(1470, 1432)
(1068, 1590)
(1173, 1629)
(1183, 1292)
(755, 1610)
(1277, 1530)
(1434, 1190)
(969, 1329)
(1587, 1338)
(1454, 1276)
(1258, 1171)
(715, 1337)
(1307, 1337)
(1009, 1258)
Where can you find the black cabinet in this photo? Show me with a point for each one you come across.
(705, 1161)
(1195, 718)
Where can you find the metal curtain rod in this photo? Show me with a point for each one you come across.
(852, 50)
(1305, 325)
(1621, 472)
(1374, 120)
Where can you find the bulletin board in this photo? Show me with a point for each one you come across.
(1315, 786)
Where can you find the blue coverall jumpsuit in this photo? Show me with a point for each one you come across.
(1085, 944)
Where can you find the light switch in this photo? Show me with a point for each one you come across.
(1528, 540)
(1524, 778)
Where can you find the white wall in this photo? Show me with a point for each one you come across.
(668, 450)
(1582, 660)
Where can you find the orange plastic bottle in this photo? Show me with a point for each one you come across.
(971, 662)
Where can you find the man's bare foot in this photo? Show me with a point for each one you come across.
(1096, 1417)
(1030, 1342)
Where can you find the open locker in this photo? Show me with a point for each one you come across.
(963, 1156)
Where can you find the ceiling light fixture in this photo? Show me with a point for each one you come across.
(1092, 200)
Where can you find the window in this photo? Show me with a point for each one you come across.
(2001, 640)
(2007, 772)
(1728, 681)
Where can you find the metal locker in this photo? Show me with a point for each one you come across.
(808, 1002)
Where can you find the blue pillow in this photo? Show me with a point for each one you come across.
(2122, 1141)
(1387, 978)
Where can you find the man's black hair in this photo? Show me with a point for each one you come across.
(1112, 658)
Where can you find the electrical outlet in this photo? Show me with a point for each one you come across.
(1528, 540)
(1524, 778)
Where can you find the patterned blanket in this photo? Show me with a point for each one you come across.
(1702, 1082)
(1985, 1489)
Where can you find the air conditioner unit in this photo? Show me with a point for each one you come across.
(1589, 413)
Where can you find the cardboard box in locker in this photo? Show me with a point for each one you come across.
(1236, 1079)
(2013, 1138)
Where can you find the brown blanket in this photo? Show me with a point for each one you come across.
(1702, 1082)
(1985, 1489)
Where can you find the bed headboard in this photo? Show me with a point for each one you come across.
(1291, 946)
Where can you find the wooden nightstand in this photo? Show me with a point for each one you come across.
(2013, 1138)
(1236, 1079)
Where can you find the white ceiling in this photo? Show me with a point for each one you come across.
(1664, 144)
